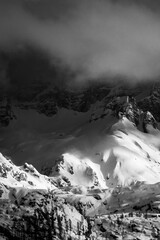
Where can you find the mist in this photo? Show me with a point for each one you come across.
(94, 38)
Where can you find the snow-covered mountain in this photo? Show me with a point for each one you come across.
(94, 145)
(115, 178)
(85, 163)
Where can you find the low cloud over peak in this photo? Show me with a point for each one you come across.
(96, 38)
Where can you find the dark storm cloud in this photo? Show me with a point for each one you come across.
(97, 38)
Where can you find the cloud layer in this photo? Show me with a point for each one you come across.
(95, 38)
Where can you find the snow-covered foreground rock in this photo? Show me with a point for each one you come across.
(131, 213)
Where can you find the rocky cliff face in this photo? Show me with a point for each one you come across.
(49, 102)
(152, 102)
(29, 81)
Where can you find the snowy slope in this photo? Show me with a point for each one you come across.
(136, 156)
(25, 176)
(79, 171)
(123, 155)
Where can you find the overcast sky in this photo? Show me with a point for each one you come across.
(94, 37)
